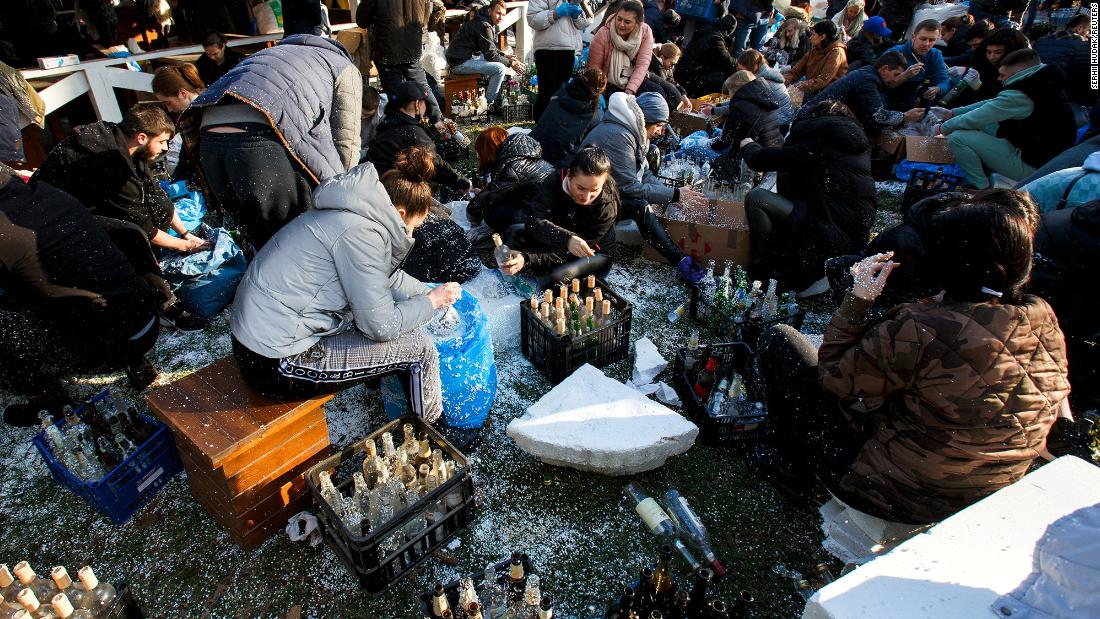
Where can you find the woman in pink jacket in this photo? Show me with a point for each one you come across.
(622, 49)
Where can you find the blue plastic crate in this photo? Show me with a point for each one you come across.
(132, 483)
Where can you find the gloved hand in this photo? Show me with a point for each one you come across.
(956, 71)
(689, 271)
(973, 78)
(568, 9)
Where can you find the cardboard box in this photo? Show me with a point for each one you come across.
(720, 233)
(686, 123)
(928, 149)
(53, 62)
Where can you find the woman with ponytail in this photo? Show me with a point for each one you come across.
(569, 116)
(946, 400)
(325, 304)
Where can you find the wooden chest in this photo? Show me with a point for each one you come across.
(245, 454)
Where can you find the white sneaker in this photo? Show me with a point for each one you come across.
(821, 286)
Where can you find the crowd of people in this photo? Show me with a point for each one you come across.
(940, 376)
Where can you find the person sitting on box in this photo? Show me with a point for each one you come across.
(1024, 126)
(824, 202)
(941, 404)
(71, 301)
(864, 92)
(475, 49)
(569, 229)
(325, 304)
(624, 135)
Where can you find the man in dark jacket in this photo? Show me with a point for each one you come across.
(107, 167)
(706, 63)
(475, 48)
(303, 17)
(570, 222)
(864, 90)
(653, 16)
(571, 114)
(1069, 51)
(396, 29)
(216, 59)
(869, 44)
(71, 302)
(401, 128)
(825, 199)
(1032, 119)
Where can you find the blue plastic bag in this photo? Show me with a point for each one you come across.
(467, 371)
(206, 281)
(190, 205)
(697, 146)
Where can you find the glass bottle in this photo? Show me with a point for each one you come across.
(692, 528)
(9, 587)
(546, 608)
(439, 601)
(502, 254)
(625, 608)
(63, 606)
(705, 382)
(532, 595)
(109, 453)
(517, 579)
(492, 596)
(718, 610)
(651, 513)
(644, 599)
(425, 455)
(7, 611)
(103, 593)
(741, 607)
(43, 588)
(77, 595)
(697, 599)
(467, 594)
(33, 607)
(662, 583)
(54, 440)
(718, 400)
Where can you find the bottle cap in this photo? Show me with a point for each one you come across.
(24, 572)
(87, 577)
(5, 576)
(515, 571)
(61, 577)
(497, 241)
(28, 600)
(61, 605)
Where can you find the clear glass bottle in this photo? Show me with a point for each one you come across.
(43, 588)
(76, 594)
(492, 596)
(103, 593)
(54, 440)
(9, 587)
(64, 608)
(650, 511)
(546, 608)
(532, 594)
(35, 608)
(439, 600)
(7, 611)
(502, 254)
(692, 528)
(329, 492)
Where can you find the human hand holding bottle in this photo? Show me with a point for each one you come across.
(869, 275)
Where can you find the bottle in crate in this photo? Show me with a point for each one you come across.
(77, 595)
(103, 594)
(9, 587)
(34, 607)
(64, 608)
(624, 609)
(43, 588)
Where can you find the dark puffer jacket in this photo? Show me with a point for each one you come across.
(441, 252)
(569, 117)
(399, 131)
(94, 165)
(554, 217)
(897, 14)
(753, 113)
(1067, 248)
(1069, 53)
(477, 36)
(309, 89)
(861, 52)
(706, 63)
(862, 91)
(57, 261)
(519, 171)
(957, 398)
(825, 169)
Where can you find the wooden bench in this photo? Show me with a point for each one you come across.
(245, 454)
(454, 84)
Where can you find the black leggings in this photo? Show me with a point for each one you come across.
(134, 244)
(652, 231)
(764, 209)
(549, 276)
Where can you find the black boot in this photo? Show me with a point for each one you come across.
(141, 374)
(25, 415)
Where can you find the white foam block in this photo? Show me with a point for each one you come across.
(648, 362)
(593, 423)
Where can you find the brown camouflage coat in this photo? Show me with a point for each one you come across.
(956, 397)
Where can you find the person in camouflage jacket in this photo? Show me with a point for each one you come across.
(945, 401)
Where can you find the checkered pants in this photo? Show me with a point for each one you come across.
(350, 357)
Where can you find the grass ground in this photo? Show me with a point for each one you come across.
(580, 532)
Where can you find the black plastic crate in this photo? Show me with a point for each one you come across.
(362, 553)
(702, 310)
(515, 113)
(452, 588)
(125, 606)
(926, 183)
(722, 431)
(557, 356)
